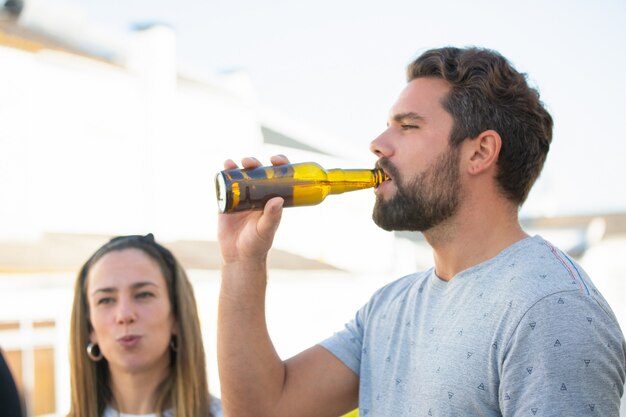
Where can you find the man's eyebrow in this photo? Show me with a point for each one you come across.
(109, 290)
(400, 117)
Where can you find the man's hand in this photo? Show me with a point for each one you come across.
(254, 380)
(247, 236)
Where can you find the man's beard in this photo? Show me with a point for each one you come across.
(424, 201)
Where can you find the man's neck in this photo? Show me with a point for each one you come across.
(474, 235)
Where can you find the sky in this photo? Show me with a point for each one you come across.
(338, 65)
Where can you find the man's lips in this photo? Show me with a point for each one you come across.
(383, 164)
(383, 185)
(385, 173)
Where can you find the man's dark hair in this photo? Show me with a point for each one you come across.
(488, 93)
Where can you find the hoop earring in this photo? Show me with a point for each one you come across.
(96, 357)
(174, 343)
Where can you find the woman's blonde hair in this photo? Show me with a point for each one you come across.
(185, 389)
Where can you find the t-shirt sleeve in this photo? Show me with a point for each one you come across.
(566, 357)
(216, 407)
(347, 344)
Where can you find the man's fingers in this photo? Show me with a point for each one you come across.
(229, 164)
(279, 160)
(269, 221)
(250, 162)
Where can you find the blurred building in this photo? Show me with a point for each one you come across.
(104, 134)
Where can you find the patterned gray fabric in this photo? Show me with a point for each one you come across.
(523, 334)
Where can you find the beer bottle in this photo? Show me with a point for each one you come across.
(303, 184)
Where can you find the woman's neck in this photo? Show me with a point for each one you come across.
(136, 393)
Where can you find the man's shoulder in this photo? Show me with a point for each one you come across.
(398, 289)
(400, 285)
(535, 266)
(526, 273)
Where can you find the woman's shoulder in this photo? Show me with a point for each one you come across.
(215, 409)
(111, 412)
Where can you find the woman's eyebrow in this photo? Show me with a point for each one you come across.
(136, 285)
(107, 290)
(143, 284)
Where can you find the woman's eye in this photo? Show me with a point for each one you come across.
(105, 300)
(142, 295)
(407, 127)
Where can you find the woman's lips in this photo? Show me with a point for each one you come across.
(129, 341)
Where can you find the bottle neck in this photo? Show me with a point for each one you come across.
(343, 180)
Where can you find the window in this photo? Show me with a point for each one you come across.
(29, 350)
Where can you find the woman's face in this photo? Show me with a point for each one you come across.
(130, 312)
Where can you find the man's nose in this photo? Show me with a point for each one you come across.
(381, 146)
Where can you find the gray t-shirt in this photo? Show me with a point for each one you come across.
(523, 334)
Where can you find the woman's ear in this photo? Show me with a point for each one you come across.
(484, 151)
(92, 337)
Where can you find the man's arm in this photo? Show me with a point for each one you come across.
(254, 380)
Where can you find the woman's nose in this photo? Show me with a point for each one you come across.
(125, 312)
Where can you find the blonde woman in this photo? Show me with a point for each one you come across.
(136, 347)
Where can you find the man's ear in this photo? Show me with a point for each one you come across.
(484, 151)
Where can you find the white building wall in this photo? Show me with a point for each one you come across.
(606, 265)
(89, 147)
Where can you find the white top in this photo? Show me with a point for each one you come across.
(111, 412)
(215, 408)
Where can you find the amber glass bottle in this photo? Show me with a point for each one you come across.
(303, 184)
